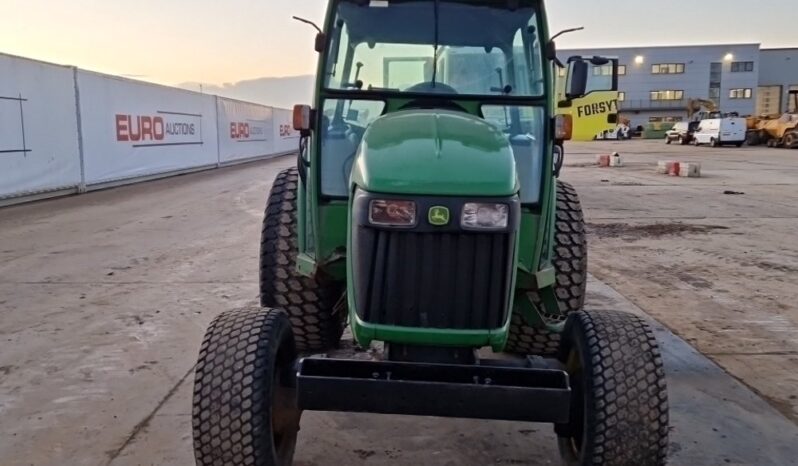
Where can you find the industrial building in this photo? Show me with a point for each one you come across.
(656, 83)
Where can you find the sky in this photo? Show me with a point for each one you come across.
(225, 41)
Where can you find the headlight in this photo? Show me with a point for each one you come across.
(392, 213)
(485, 216)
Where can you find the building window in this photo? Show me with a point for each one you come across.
(604, 70)
(667, 95)
(621, 96)
(715, 77)
(742, 66)
(740, 93)
(791, 104)
(667, 68)
(714, 93)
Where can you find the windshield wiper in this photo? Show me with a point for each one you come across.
(437, 40)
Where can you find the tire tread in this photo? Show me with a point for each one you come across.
(309, 302)
(570, 263)
(232, 387)
(627, 407)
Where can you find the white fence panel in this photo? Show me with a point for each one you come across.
(246, 130)
(133, 129)
(38, 128)
(286, 138)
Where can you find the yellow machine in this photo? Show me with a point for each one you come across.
(695, 106)
(775, 131)
(595, 116)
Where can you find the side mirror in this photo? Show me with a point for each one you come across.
(563, 127)
(321, 42)
(321, 37)
(302, 120)
(590, 74)
(576, 82)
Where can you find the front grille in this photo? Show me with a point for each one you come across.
(452, 279)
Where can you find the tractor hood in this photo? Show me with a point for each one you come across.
(435, 152)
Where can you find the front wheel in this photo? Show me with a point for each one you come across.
(245, 410)
(714, 142)
(619, 401)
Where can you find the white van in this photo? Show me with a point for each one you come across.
(721, 131)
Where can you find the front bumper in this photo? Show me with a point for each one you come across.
(488, 390)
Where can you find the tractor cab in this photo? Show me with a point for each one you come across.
(441, 59)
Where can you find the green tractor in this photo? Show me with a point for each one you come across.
(425, 213)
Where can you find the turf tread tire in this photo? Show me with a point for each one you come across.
(570, 264)
(309, 302)
(627, 402)
(233, 388)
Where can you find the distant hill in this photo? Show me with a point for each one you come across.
(277, 92)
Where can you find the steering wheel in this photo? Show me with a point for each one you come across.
(433, 88)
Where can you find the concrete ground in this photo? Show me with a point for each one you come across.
(104, 299)
(715, 258)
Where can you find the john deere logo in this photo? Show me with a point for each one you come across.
(438, 216)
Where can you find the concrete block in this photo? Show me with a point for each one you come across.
(690, 170)
(603, 160)
(674, 169)
(615, 160)
(664, 166)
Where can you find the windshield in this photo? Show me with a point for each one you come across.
(445, 47)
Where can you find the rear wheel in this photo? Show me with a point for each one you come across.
(667, 139)
(619, 401)
(570, 264)
(791, 140)
(753, 138)
(310, 303)
(245, 410)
